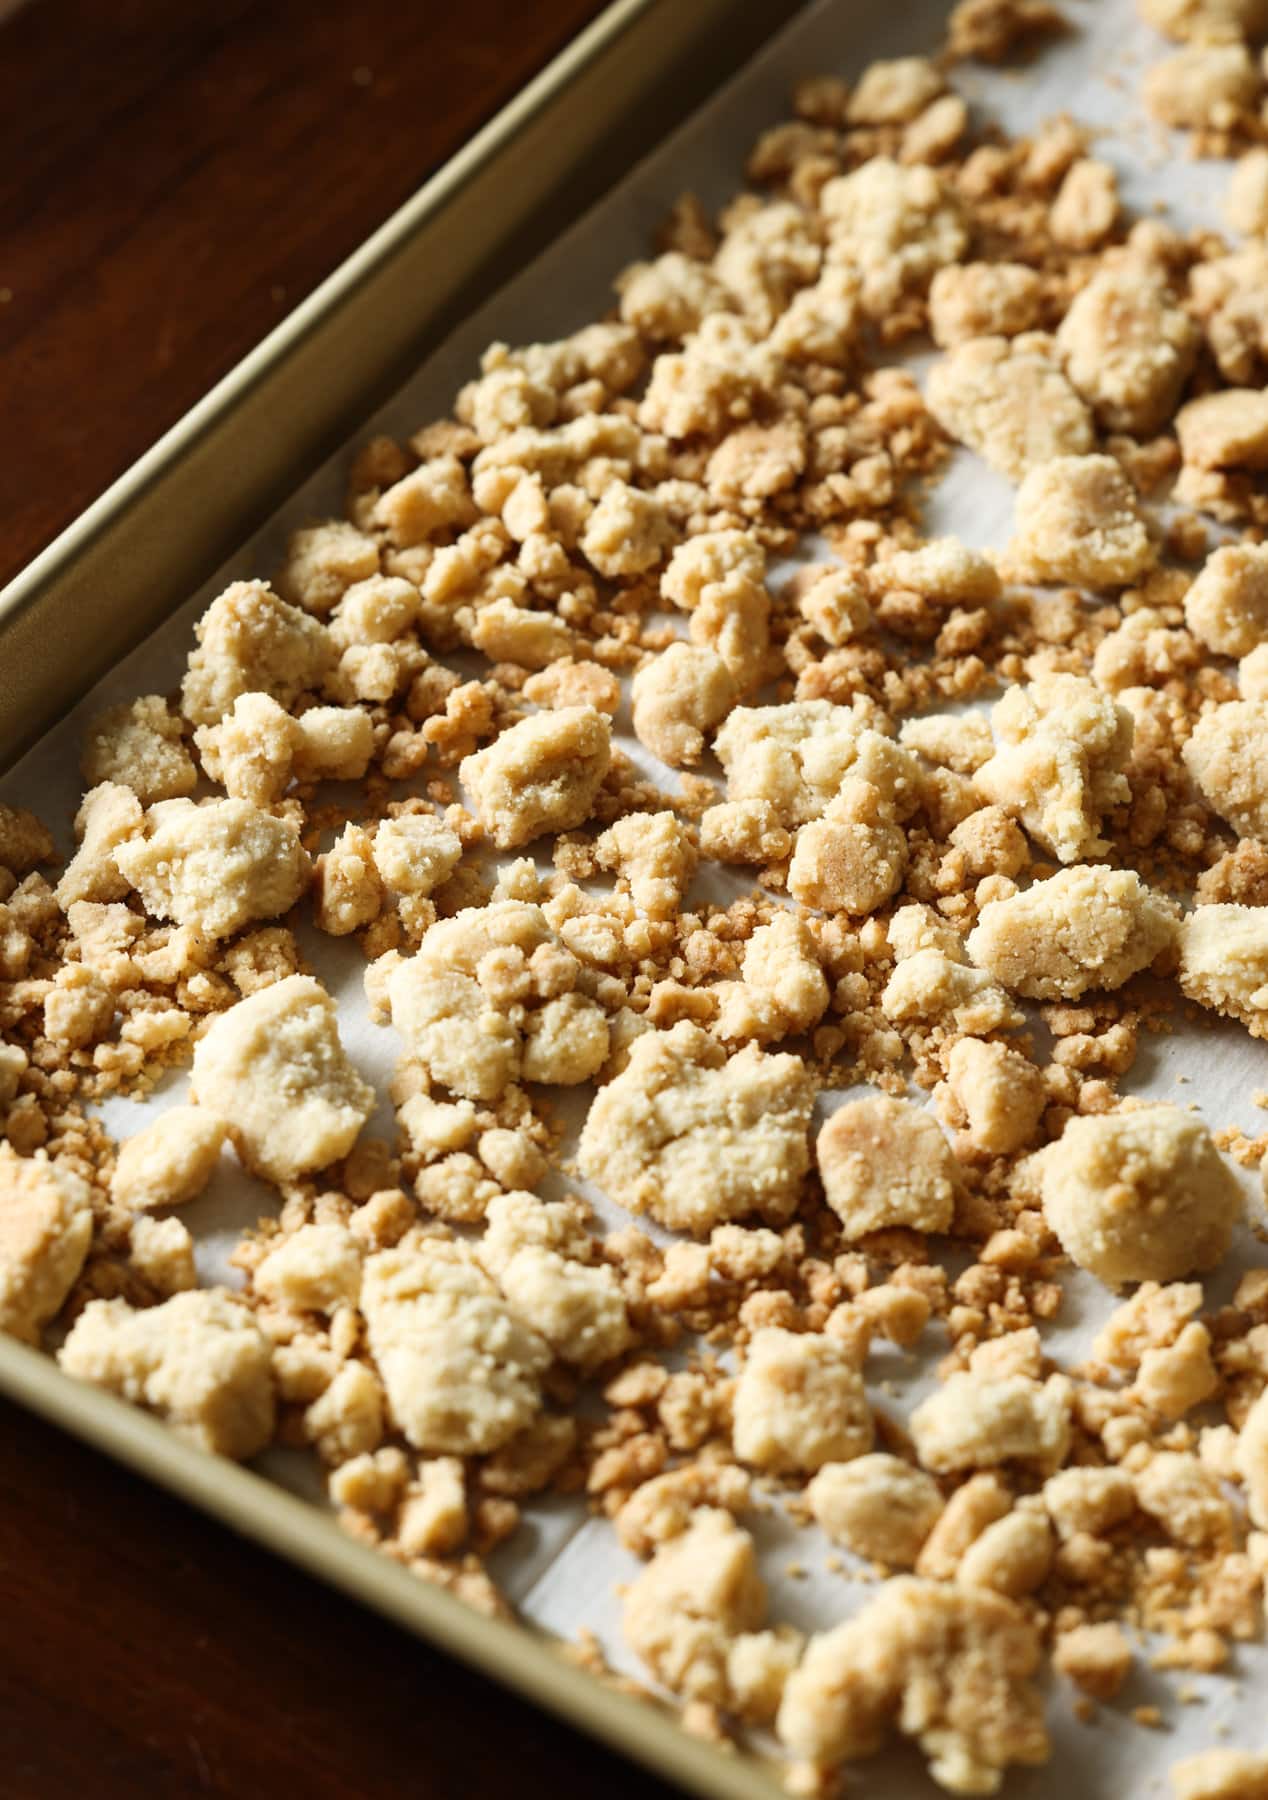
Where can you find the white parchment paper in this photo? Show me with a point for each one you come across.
(562, 1567)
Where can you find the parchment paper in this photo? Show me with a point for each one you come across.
(561, 1569)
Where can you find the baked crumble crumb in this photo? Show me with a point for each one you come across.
(950, 1666)
(199, 1359)
(695, 1138)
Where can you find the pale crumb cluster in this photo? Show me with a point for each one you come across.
(798, 887)
(1139, 1195)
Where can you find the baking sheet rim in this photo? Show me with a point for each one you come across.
(332, 295)
(264, 1511)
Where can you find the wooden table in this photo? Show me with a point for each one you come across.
(174, 179)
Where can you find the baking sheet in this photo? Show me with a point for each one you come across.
(562, 1568)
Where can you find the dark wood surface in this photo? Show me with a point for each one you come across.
(173, 180)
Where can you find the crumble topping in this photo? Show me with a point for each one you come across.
(696, 1138)
(937, 797)
(884, 1163)
(461, 1368)
(540, 776)
(273, 1071)
(1061, 747)
(1077, 519)
(46, 1226)
(799, 1402)
(1139, 1195)
(1087, 927)
(951, 1667)
(877, 1506)
(169, 1162)
(199, 1359)
(1008, 400)
(214, 867)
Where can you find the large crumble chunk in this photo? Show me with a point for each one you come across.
(1061, 746)
(983, 300)
(257, 747)
(1227, 297)
(168, 1162)
(995, 1094)
(109, 815)
(1008, 399)
(199, 1359)
(797, 756)
(416, 852)
(1087, 927)
(1139, 1195)
(934, 981)
(140, 744)
(1227, 606)
(1204, 84)
(678, 698)
(1128, 348)
(540, 776)
(314, 1269)
(877, 1506)
(684, 1611)
(1221, 1775)
(1077, 519)
(885, 1163)
(250, 641)
(432, 498)
(215, 866)
(656, 855)
(490, 998)
(323, 562)
(670, 297)
(1208, 21)
(782, 988)
(694, 1138)
(951, 1667)
(1227, 755)
(799, 1403)
(45, 1231)
(853, 858)
(579, 1309)
(1224, 446)
(897, 226)
(461, 1369)
(1224, 962)
(977, 1421)
(273, 1069)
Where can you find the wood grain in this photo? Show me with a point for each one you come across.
(174, 179)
